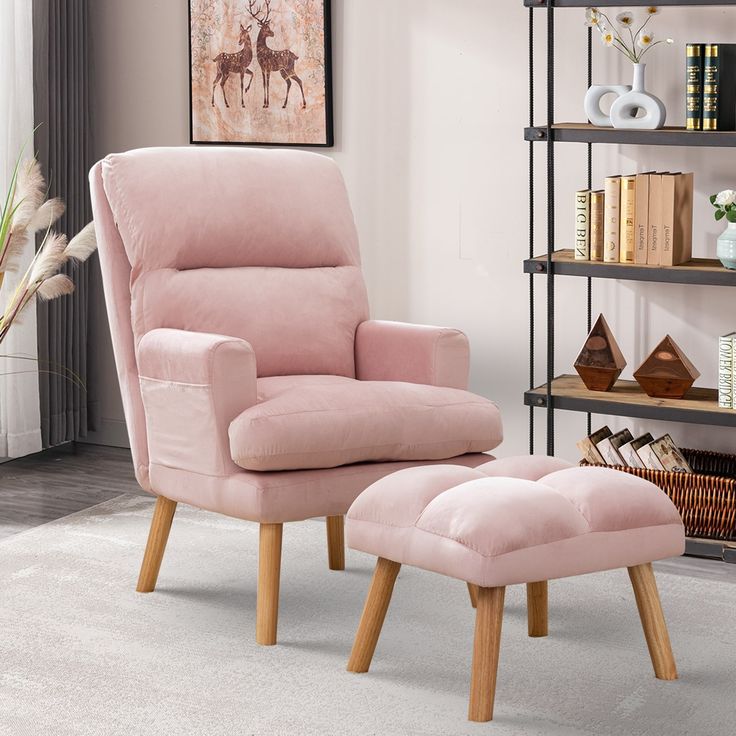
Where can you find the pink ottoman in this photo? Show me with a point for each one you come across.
(518, 520)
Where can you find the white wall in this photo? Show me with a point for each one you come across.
(430, 107)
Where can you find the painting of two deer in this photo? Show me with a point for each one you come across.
(260, 72)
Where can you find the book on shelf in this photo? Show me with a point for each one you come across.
(669, 455)
(676, 233)
(623, 450)
(629, 451)
(597, 200)
(719, 88)
(655, 219)
(588, 446)
(695, 56)
(612, 219)
(641, 226)
(726, 346)
(582, 225)
(628, 218)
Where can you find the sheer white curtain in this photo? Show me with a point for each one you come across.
(20, 422)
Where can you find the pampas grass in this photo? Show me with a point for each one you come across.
(26, 211)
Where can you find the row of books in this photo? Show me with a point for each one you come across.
(644, 218)
(622, 449)
(710, 91)
(726, 371)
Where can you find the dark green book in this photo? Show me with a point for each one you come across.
(695, 53)
(719, 87)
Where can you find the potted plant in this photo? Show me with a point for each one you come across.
(725, 204)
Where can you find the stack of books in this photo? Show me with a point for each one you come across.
(710, 92)
(726, 380)
(644, 218)
(623, 450)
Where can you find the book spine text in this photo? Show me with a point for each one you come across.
(596, 225)
(628, 214)
(612, 219)
(711, 81)
(694, 86)
(725, 372)
(582, 225)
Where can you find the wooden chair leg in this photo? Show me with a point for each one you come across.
(652, 620)
(269, 577)
(473, 592)
(336, 542)
(158, 535)
(374, 613)
(536, 606)
(488, 621)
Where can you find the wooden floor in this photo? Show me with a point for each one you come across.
(40, 488)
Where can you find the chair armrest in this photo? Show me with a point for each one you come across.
(393, 351)
(193, 385)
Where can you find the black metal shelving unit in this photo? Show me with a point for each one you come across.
(566, 392)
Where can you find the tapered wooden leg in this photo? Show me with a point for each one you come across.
(158, 535)
(269, 576)
(652, 620)
(374, 613)
(488, 619)
(336, 542)
(473, 592)
(536, 607)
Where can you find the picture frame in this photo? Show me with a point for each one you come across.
(260, 73)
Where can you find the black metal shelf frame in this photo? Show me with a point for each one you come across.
(549, 134)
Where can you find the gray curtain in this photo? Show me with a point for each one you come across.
(61, 63)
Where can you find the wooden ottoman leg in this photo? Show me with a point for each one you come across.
(374, 613)
(473, 592)
(269, 579)
(652, 620)
(536, 605)
(163, 515)
(485, 653)
(336, 542)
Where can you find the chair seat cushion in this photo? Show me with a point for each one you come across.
(492, 528)
(303, 422)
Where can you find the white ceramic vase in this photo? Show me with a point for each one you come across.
(727, 246)
(625, 110)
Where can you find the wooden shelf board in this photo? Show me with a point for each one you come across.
(587, 133)
(622, 3)
(627, 399)
(703, 271)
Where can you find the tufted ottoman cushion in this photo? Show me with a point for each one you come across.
(516, 520)
(519, 520)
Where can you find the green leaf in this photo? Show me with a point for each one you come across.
(720, 215)
(713, 200)
(731, 216)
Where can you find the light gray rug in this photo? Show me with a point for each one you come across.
(81, 653)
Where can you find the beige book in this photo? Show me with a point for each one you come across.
(655, 219)
(597, 200)
(641, 224)
(612, 219)
(628, 214)
(676, 234)
(649, 458)
(582, 225)
(588, 447)
(669, 455)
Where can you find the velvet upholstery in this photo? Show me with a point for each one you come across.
(221, 265)
(392, 351)
(338, 421)
(494, 530)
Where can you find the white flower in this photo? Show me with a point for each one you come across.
(644, 39)
(726, 197)
(653, 10)
(625, 19)
(607, 38)
(592, 17)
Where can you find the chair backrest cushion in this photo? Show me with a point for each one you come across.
(254, 244)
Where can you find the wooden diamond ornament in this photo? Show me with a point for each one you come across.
(600, 361)
(667, 373)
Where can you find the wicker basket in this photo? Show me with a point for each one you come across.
(705, 498)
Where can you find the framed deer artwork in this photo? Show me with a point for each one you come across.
(260, 72)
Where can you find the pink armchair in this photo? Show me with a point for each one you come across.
(253, 382)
